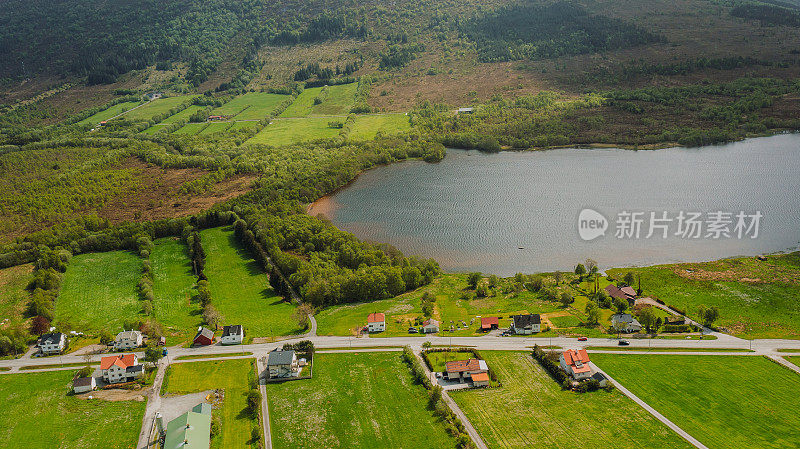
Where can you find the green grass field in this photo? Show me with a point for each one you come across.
(154, 129)
(723, 401)
(368, 126)
(37, 413)
(191, 128)
(251, 106)
(365, 400)
(106, 114)
(794, 359)
(234, 377)
(14, 297)
(157, 107)
(182, 116)
(240, 289)
(243, 125)
(215, 128)
(99, 291)
(336, 100)
(765, 305)
(289, 131)
(530, 409)
(173, 286)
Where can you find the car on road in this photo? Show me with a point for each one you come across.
(412, 330)
(624, 343)
(582, 339)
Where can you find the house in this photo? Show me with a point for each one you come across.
(376, 322)
(283, 364)
(576, 363)
(430, 326)
(153, 96)
(128, 340)
(232, 335)
(121, 368)
(480, 380)
(460, 370)
(53, 343)
(489, 323)
(625, 322)
(192, 430)
(527, 324)
(204, 337)
(83, 384)
(601, 379)
(624, 293)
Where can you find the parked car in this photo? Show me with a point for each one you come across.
(624, 343)
(412, 330)
(582, 339)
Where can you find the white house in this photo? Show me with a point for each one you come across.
(625, 322)
(430, 326)
(461, 369)
(232, 335)
(376, 322)
(576, 363)
(128, 340)
(120, 368)
(527, 324)
(83, 384)
(283, 364)
(53, 343)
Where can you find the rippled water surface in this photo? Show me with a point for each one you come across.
(518, 211)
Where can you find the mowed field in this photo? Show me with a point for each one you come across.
(234, 377)
(251, 106)
(191, 128)
(756, 299)
(240, 289)
(530, 409)
(182, 115)
(99, 291)
(14, 297)
(106, 114)
(365, 400)
(294, 130)
(336, 100)
(174, 287)
(37, 413)
(726, 402)
(367, 127)
(157, 107)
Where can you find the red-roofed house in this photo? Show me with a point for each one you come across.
(624, 293)
(490, 322)
(576, 363)
(120, 368)
(480, 380)
(204, 337)
(461, 369)
(376, 322)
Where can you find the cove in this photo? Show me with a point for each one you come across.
(518, 211)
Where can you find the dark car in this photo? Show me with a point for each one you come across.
(624, 343)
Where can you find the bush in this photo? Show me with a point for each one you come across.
(552, 368)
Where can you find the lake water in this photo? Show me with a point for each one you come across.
(518, 211)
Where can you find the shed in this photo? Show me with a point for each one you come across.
(204, 337)
(489, 323)
(83, 384)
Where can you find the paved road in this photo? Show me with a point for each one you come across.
(685, 435)
(262, 386)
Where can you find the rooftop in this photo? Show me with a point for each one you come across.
(278, 357)
(376, 317)
(122, 361)
(457, 366)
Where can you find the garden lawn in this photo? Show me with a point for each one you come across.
(294, 130)
(765, 305)
(99, 291)
(157, 107)
(173, 287)
(530, 409)
(233, 376)
(439, 359)
(365, 400)
(366, 127)
(725, 402)
(240, 289)
(38, 413)
(14, 298)
(251, 106)
(107, 114)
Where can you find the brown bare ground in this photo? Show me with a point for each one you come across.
(115, 395)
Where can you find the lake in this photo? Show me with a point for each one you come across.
(518, 211)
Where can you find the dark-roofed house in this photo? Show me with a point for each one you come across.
(625, 322)
(83, 384)
(204, 337)
(527, 324)
(624, 293)
(601, 379)
(53, 343)
(490, 322)
(282, 364)
(460, 370)
(232, 335)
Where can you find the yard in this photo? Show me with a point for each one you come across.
(14, 297)
(108, 113)
(756, 299)
(439, 359)
(240, 289)
(531, 409)
(173, 286)
(725, 402)
(99, 291)
(354, 400)
(38, 413)
(294, 130)
(336, 100)
(234, 377)
(368, 126)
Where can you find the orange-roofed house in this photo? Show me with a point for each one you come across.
(480, 380)
(576, 363)
(490, 322)
(121, 368)
(461, 370)
(376, 322)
